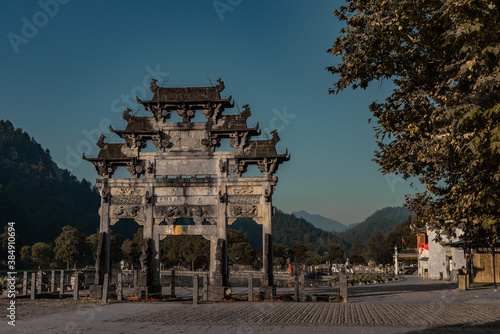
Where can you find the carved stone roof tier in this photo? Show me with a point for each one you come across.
(187, 148)
(137, 124)
(263, 149)
(234, 123)
(186, 100)
(187, 94)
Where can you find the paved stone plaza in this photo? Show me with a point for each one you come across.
(409, 306)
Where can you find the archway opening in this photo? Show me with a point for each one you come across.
(185, 253)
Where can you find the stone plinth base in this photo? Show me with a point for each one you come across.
(267, 292)
(217, 292)
(145, 291)
(95, 291)
(462, 282)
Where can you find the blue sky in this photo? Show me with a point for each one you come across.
(70, 69)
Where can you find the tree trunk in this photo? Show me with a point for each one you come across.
(67, 264)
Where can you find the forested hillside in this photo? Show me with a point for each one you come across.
(40, 197)
(385, 220)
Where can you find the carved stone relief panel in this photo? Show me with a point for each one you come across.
(126, 200)
(126, 211)
(241, 190)
(244, 210)
(244, 199)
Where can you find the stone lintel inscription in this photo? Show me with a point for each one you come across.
(184, 211)
(244, 199)
(127, 191)
(186, 200)
(186, 167)
(205, 230)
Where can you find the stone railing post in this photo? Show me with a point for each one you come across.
(172, 284)
(40, 281)
(119, 288)
(25, 283)
(53, 281)
(195, 289)
(205, 287)
(105, 288)
(250, 287)
(76, 286)
(33, 286)
(61, 283)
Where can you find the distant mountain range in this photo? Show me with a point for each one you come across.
(42, 198)
(385, 220)
(323, 223)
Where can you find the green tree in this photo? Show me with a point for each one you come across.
(234, 237)
(279, 254)
(94, 243)
(402, 231)
(241, 253)
(376, 250)
(442, 121)
(334, 253)
(42, 252)
(297, 252)
(26, 256)
(70, 245)
(311, 258)
(195, 249)
(191, 250)
(138, 241)
(127, 249)
(356, 252)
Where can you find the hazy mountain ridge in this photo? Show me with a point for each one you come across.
(323, 223)
(385, 220)
(42, 198)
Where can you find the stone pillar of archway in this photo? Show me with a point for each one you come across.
(149, 277)
(103, 258)
(219, 273)
(267, 288)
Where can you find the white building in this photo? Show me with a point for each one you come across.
(435, 260)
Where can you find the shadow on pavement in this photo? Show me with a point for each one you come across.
(462, 328)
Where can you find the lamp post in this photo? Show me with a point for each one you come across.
(396, 265)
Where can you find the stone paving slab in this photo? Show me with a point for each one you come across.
(412, 307)
(326, 314)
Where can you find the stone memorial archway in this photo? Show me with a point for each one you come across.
(186, 178)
